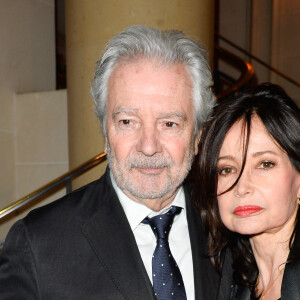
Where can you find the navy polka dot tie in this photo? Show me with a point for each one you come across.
(167, 279)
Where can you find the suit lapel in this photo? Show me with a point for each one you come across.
(113, 242)
(205, 277)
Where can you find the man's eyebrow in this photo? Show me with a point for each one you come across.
(128, 111)
(173, 114)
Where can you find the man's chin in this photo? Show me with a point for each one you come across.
(151, 188)
(149, 192)
(153, 200)
(149, 178)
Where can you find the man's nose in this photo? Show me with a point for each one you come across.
(149, 141)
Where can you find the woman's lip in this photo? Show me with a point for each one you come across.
(246, 210)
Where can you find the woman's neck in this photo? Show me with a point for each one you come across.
(271, 250)
(270, 253)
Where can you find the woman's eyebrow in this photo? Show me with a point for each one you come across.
(259, 153)
(229, 157)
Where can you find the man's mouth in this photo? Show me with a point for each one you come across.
(150, 171)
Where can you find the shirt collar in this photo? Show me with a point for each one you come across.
(137, 212)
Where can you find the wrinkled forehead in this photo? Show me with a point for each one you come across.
(146, 78)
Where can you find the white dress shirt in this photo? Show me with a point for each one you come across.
(179, 238)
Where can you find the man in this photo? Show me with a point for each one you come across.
(152, 92)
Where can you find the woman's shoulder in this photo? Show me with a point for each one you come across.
(290, 288)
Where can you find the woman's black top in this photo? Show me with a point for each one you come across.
(290, 287)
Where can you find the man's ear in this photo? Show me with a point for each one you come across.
(197, 140)
(105, 145)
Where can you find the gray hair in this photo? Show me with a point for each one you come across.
(169, 47)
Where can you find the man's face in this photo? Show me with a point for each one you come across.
(150, 130)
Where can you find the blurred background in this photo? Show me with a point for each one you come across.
(48, 51)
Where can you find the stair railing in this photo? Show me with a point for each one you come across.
(260, 61)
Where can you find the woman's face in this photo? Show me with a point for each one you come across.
(265, 198)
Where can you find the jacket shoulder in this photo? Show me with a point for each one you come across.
(73, 209)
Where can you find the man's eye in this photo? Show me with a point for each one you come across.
(266, 165)
(170, 124)
(125, 122)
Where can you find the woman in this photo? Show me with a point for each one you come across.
(249, 160)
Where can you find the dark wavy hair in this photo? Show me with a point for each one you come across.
(281, 117)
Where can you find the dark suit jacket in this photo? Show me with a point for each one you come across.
(290, 287)
(82, 247)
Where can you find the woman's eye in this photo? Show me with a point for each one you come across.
(226, 171)
(266, 164)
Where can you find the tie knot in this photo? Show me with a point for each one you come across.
(161, 224)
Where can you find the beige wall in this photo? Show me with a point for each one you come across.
(40, 144)
(27, 63)
(29, 123)
(41, 139)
